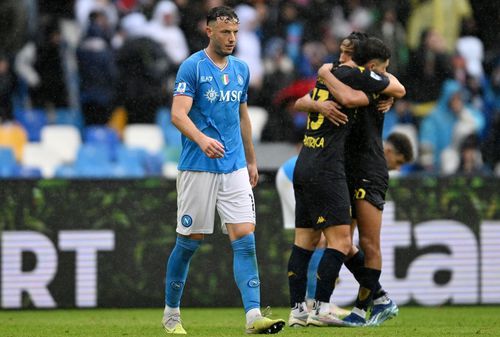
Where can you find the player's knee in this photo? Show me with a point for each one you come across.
(370, 246)
(307, 240)
(237, 231)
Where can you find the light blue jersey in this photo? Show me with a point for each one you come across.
(217, 94)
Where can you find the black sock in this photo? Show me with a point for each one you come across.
(297, 274)
(367, 285)
(355, 264)
(328, 271)
(379, 292)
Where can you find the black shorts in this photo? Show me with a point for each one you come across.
(373, 191)
(320, 205)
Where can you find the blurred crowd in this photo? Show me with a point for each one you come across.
(114, 61)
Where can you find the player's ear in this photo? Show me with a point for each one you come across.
(208, 30)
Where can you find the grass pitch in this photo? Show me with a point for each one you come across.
(412, 321)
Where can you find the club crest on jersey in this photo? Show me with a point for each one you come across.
(225, 79)
(186, 220)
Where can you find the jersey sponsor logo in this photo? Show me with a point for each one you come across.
(230, 96)
(181, 87)
(204, 79)
(254, 283)
(320, 220)
(223, 96)
(186, 220)
(176, 285)
(375, 76)
(240, 80)
(225, 79)
(211, 95)
(314, 142)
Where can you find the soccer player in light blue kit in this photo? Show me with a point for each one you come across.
(217, 169)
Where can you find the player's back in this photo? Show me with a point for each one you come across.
(322, 154)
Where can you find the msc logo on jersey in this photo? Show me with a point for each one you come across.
(223, 96)
(186, 220)
(181, 87)
(230, 96)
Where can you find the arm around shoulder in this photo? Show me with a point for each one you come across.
(343, 93)
(395, 88)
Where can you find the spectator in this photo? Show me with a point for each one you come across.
(471, 161)
(83, 8)
(400, 113)
(40, 65)
(279, 70)
(314, 54)
(249, 50)
(97, 71)
(143, 68)
(451, 115)
(471, 48)
(292, 30)
(392, 32)
(166, 31)
(429, 67)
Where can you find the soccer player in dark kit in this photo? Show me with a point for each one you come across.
(321, 190)
(367, 176)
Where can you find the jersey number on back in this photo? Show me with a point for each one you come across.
(318, 95)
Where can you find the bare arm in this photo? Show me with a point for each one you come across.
(329, 109)
(395, 88)
(180, 109)
(343, 93)
(246, 135)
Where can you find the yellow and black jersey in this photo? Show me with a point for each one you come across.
(322, 154)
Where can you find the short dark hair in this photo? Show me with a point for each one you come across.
(353, 40)
(369, 49)
(224, 13)
(402, 145)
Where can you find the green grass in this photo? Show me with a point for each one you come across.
(412, 321)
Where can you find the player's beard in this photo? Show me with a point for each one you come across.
(223, 52)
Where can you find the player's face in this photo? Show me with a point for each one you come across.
(223, 36)
(393, 158)
(346, 51)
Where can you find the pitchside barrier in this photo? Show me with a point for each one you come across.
(81, 243)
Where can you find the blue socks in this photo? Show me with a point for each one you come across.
(312, 271)
(177, 269)
(245, 271)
